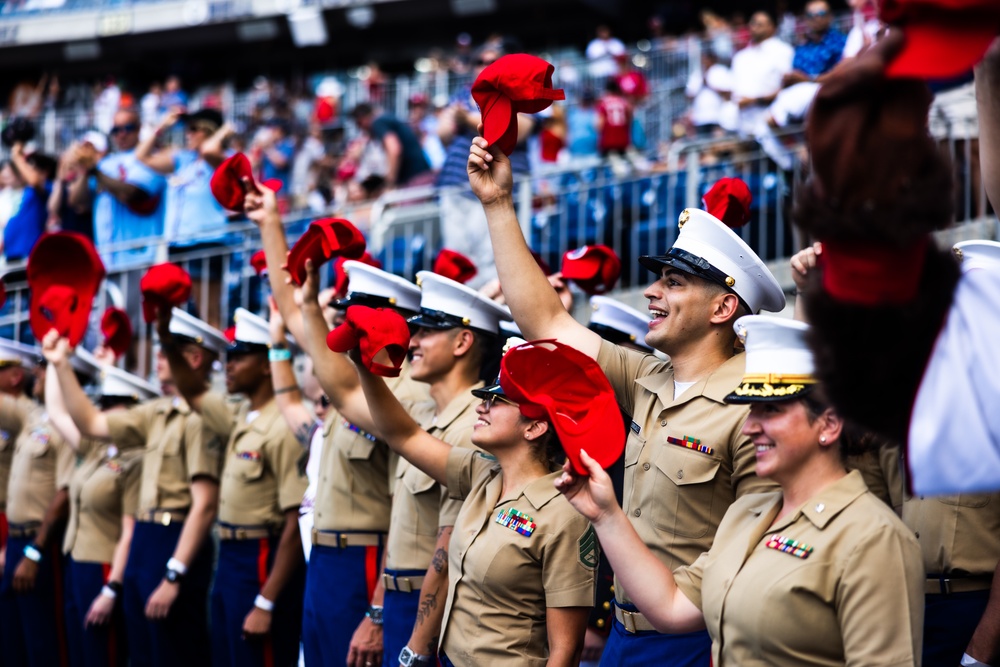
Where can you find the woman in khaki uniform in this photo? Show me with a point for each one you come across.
(820, 573)
(103, 498)
(522, 566)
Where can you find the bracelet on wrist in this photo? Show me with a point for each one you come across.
(969, 661)
(109, 592)
(32, 553)
(115, 586)
(263, 603)
(285, 390)
(280, 354)
(177, 566)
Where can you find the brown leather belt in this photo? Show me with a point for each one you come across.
(393, 582)
(633, 621)
(945, 585)
(246, 532)
(23, 530)
(162, 517)
(338, 540)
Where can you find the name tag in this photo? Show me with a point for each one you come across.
(634, 427)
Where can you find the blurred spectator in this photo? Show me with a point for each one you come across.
(461, 59)
(709, 91)
(463, 221)
(327, 106)
(11, 191)
(865, 29)
(631, 82)
(376, 82)
(822, 48)
(739, 31)
(552, 133)
(718, 35)
(757, 72)
(36, 172)
(149, 108)
(405, 161)
(614, 126)
(106, 103)
(424, 123)
(127, 195)
(272, 153)
(309, 154)
(63, 215)
(173, 98)
(581, 126)
(26, 99)
(601, 52)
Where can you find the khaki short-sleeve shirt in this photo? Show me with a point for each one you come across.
(260, 477)
(502, 581)
(855, 598)
(102, 488)
(6, 454)
(354, 493)
(421, 506)
(686, 461)
(175, 450)
(41, 465)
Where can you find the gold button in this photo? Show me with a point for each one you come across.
(607, 605)
(637, 512)
(612, 589)
(645, 466)
(600, 622)
(680, 474)
(730, 281)
(663, 422)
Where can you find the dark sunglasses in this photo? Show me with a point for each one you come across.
(490, 400)
(131, 127)
(817, 15)
(324, 401)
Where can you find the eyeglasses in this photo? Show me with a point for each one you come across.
(818, 14)
(490, 400)
(324, 401)
(199, 128)
(130, 127)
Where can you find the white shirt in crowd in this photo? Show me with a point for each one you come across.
(601, 54)
(757, 71)
(706, 104)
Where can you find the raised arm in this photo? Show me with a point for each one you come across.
(90, 422)
(650, 583)
(56, 407)
(213, 149)
(287, 392)
(160, 161)
(535, 306)
(398, 429)
(988, 101)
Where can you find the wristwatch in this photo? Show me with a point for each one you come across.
(173, 576)
(407, 658)
(374, 614)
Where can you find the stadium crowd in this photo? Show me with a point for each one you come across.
(423, 473)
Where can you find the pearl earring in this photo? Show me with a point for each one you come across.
(822, 439)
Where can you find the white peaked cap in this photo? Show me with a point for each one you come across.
(366, 280)
(612, 314)
(779, 363)
(184, 324)
(13, 352)
(978, 254)
(445, 303)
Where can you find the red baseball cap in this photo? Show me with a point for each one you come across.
(164, 285)
(3, 293)
(64, 272)
(259, 262)
(729, 200)
(549, 380)
(515, 83)
(454, 265)
(117, 330)
(322, 241)
(595, 268)
(943, 38)
(343, 281)
(227, 181)
(373, 330)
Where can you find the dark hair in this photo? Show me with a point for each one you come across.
(109, 402)
(490, 350)
(362, 110)
(611, 86)
(548, 449)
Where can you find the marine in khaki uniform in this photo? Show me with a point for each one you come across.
(169, 567)
(685, 459)
(818, 573)
(257, 594)
(103, 499)
(455, 342)
(31, 600)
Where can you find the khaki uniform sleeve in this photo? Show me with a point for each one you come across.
(284, 457)
(568, 581)
(622, 366)
(65, 464)
(461, 472)
(218, 414)
(202, 450)
(450, 508)
(129, 429)
(883, 572)
(688, 579)
(12, 415)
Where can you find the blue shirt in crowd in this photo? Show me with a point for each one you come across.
(25, 226)
(115, 222)
(191, 209)
(269, 170)
(815, 58)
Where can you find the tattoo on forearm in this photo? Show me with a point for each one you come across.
(427, 605)
(432, 647)
(302, 433)
(440, 560)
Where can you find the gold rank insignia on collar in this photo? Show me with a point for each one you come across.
(789, 546)
(517, 521)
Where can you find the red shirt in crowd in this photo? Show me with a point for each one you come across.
(633, 85)
(616, 123)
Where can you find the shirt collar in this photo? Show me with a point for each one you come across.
(831, 501)
(540, 491)
(719, 384)
(463, 401)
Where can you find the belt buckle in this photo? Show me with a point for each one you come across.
(342, 540)
(945, 586)
(165, 519)
(240, 533)
(404, 585)
(627, 621)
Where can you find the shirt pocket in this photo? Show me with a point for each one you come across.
(38, 443)
(360, 449)
(974, 500)
(683, 492)
(248, 465)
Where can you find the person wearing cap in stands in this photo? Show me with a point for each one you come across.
(103, 495)
(193, 219)
(521, 580)
(257, 595)
(819, 572)
(617, 323)
(37, 504)
(454, 345)
(675, 495)
(169, 566)
(342, 611)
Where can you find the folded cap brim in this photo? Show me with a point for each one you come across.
(499, 120)
(942, 49)
(343, 338)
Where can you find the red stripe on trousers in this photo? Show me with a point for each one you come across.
(263, 555)
(112, 636)
(57, 586)
(371, 569)
(3, 529)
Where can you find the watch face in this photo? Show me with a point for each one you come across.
(172, 576)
